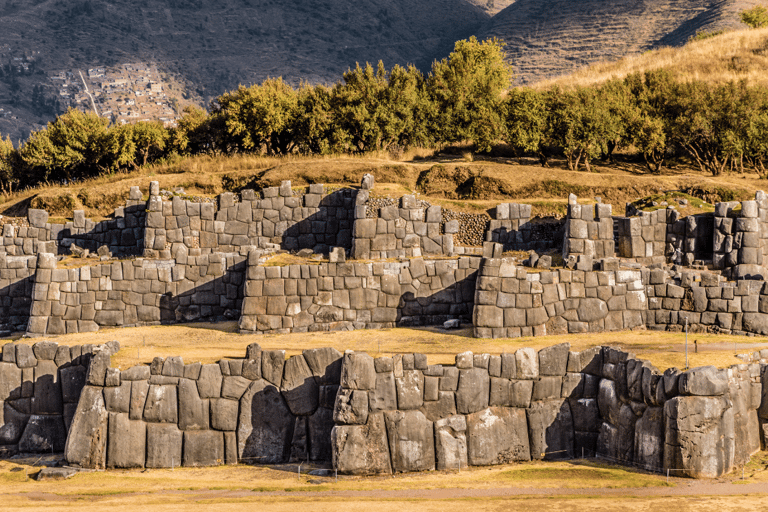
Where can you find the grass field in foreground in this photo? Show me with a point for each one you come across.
(207, 343)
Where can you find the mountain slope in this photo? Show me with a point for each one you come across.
(547, 38)
(214, 46)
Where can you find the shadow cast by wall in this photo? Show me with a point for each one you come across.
(330, 227)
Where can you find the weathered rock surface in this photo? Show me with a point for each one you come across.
(87, 440)
(497, 435)
(361, 449)
(411, 441)
(266, 425)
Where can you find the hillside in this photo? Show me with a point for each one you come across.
(211, 48)
(549, 38)
(732, 56)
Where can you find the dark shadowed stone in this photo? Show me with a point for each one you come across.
(299, 388)
(411, 441)
(384, 396)
(161, 404)
(497, 435)
(209, 382)
(474, 390)
(266, 425)
(625, 446)
(320, 425)
(12, 424)
(703, 381)
(649, 438)
(328, 396)
(451, 442)
(652, 378)
(573, 385)
(126, 443)
(351, 407)
(442, 408)
(163, 446)
(550, 427)
(361, 449)
(87, 440)
(203, 448)
(554, 360)
(698, 436)
(325, 364)
(358, 371)
(272, 362)
(43, 434)
(410, 390)
(193, 411)
(586, 417)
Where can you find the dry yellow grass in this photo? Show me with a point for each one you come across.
(208, 343)
(731, 56)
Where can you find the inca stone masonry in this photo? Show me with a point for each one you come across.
(410, 263)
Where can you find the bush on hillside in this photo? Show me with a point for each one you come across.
(756, 17)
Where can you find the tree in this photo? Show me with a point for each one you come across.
(261, 116)
(148, 137)
(8, 177)
(526, 122)
(197, 132)
(313, 121)
(71, 147)
(466, 89)
(756, 17)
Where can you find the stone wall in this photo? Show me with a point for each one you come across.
(398, 414)
(740, 242)
(589, 230)
(40, 387)
(408, 231)
(278, 218)
(357, 295)
(511, 302)
(16, 286)
(512, 227)
(192, 287)
(260, 409)
(645, 236)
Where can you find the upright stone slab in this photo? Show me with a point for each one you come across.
(127, 442)
(550, 427)
(164, 443)
(300, 388)
(451, 442)
(412, 441)
(87, 440)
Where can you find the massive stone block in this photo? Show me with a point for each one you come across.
(410, 390)
(325, 364)
(12, 424)
(193, 411)
(384, 396)
(351, 407)
(357, 371)
(361, 449)
(474, 390)
(320, 426)
(164, 443)
(161, 405)
(266, 425)
(554, 360)
(497, 435)
(127, 442)
(649, 439)
(703, 381)
(43, 434)
(203, 448)
(87, 440)
(411, 441)
(699, 436)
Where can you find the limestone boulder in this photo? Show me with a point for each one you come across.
(193, 410)
(649, 439)
(384, 395)
(203, 448)
(86, 444)
(361, 449)
(162, 404)
(351, 407)
(325, 364)
(585, 414)
(12, 424)
(698, 435)
(358, 371)
(265, 426)
(411, 441)
(163, 445)
(272, 362)
(497, 435)
(410, 390)
(554, 360)
(526, 363)
(320, 425)
(444, 407)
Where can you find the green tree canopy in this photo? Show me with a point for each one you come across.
(756, 17)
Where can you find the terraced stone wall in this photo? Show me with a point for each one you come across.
(135, 292)
(357, 295)
(260, 409)
(16, 287)
(400, 414)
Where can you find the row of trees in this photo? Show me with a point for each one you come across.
(465, 98)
